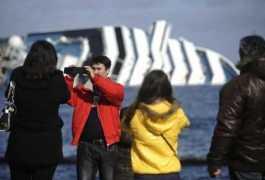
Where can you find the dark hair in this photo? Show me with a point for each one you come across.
(251, 48)
(155, 85)
(41, 60)
(101, 60)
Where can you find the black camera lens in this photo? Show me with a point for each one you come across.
(73, 71)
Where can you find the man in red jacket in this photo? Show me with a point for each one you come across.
(96, 123)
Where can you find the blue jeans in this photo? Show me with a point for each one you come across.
(96, 157)
(239, 175)
(171, 176)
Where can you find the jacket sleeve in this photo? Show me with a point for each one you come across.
(69, 82)
(63, 92)
(182, 118)
(231, 106)
(111, 90)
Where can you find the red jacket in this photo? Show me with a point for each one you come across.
(112, 95)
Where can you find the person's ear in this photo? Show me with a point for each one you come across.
(107, 72)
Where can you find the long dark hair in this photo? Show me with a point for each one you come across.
(41, 60)
(155, 85)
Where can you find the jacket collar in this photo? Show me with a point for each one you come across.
(257, 68)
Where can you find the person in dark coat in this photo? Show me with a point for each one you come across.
(239, 135)
(123, 169)
(35, 142)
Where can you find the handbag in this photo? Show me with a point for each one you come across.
(9, 110)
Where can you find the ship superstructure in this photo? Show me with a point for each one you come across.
(134, 52)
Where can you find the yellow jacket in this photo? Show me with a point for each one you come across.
(150, 153)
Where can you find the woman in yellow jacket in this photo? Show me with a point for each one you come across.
(155, 121)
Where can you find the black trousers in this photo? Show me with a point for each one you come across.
(26, 172)
(170, 176)
(96, 157)
(123, 169)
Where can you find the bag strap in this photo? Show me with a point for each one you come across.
(170, 146)
(11, 92)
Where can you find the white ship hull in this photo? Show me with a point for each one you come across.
(134, 52)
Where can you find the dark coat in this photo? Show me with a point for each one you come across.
(123, 169)
(239, 136)
(35, 137)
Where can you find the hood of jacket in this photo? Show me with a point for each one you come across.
(159, 110)
(161, 116)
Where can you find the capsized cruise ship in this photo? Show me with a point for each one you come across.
(134, 52)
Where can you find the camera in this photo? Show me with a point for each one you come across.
(73, 71)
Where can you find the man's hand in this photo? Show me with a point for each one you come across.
(214, 172)
(217, 172)
(90, 71)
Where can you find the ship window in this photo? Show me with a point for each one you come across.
(117, 68)
(31, 38)
(186, 61)
(229, 72)
(94, 37)
(73, 48)
(205, 66)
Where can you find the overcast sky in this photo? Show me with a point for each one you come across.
(215, 24)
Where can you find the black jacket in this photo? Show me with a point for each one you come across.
(35, 136)
(239, 136)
